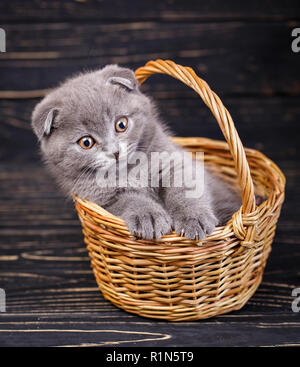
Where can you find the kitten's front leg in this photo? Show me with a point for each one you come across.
(193, 218)
(143, 215)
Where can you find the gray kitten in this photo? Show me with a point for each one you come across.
(95, 113)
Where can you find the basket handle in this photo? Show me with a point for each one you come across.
(189, 77)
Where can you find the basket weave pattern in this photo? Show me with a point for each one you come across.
(179, 279)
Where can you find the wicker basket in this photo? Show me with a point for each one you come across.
(178, 279)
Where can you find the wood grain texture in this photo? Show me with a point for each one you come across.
(164, 10)
(52, 297)
(235, 57)
(254, 118)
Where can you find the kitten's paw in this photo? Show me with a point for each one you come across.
(148, 224)
(195, 227)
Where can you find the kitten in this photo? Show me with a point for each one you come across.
(81, 126)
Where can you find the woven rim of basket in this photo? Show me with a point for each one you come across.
(243, 223)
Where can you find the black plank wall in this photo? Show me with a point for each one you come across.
(243, 50)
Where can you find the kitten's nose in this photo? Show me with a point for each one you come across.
(116, 154)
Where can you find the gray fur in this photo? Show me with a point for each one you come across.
(89, 104)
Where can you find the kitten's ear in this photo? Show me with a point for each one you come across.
(43, 118)
(120, 76)
(123, 82)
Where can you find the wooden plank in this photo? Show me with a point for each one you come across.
(233, 57)
(51, 294)
(263, 123)
(90, 329)
(164, 10)
(49, 304)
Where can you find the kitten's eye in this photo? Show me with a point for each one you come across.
(121, 125)
(86, 142)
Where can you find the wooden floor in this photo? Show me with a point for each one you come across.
(51, 294)
(52, 298)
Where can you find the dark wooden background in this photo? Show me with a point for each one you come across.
(243, 50)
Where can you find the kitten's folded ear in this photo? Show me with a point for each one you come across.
(43, 118)
(123, 77)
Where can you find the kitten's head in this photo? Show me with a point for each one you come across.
(87, 120)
